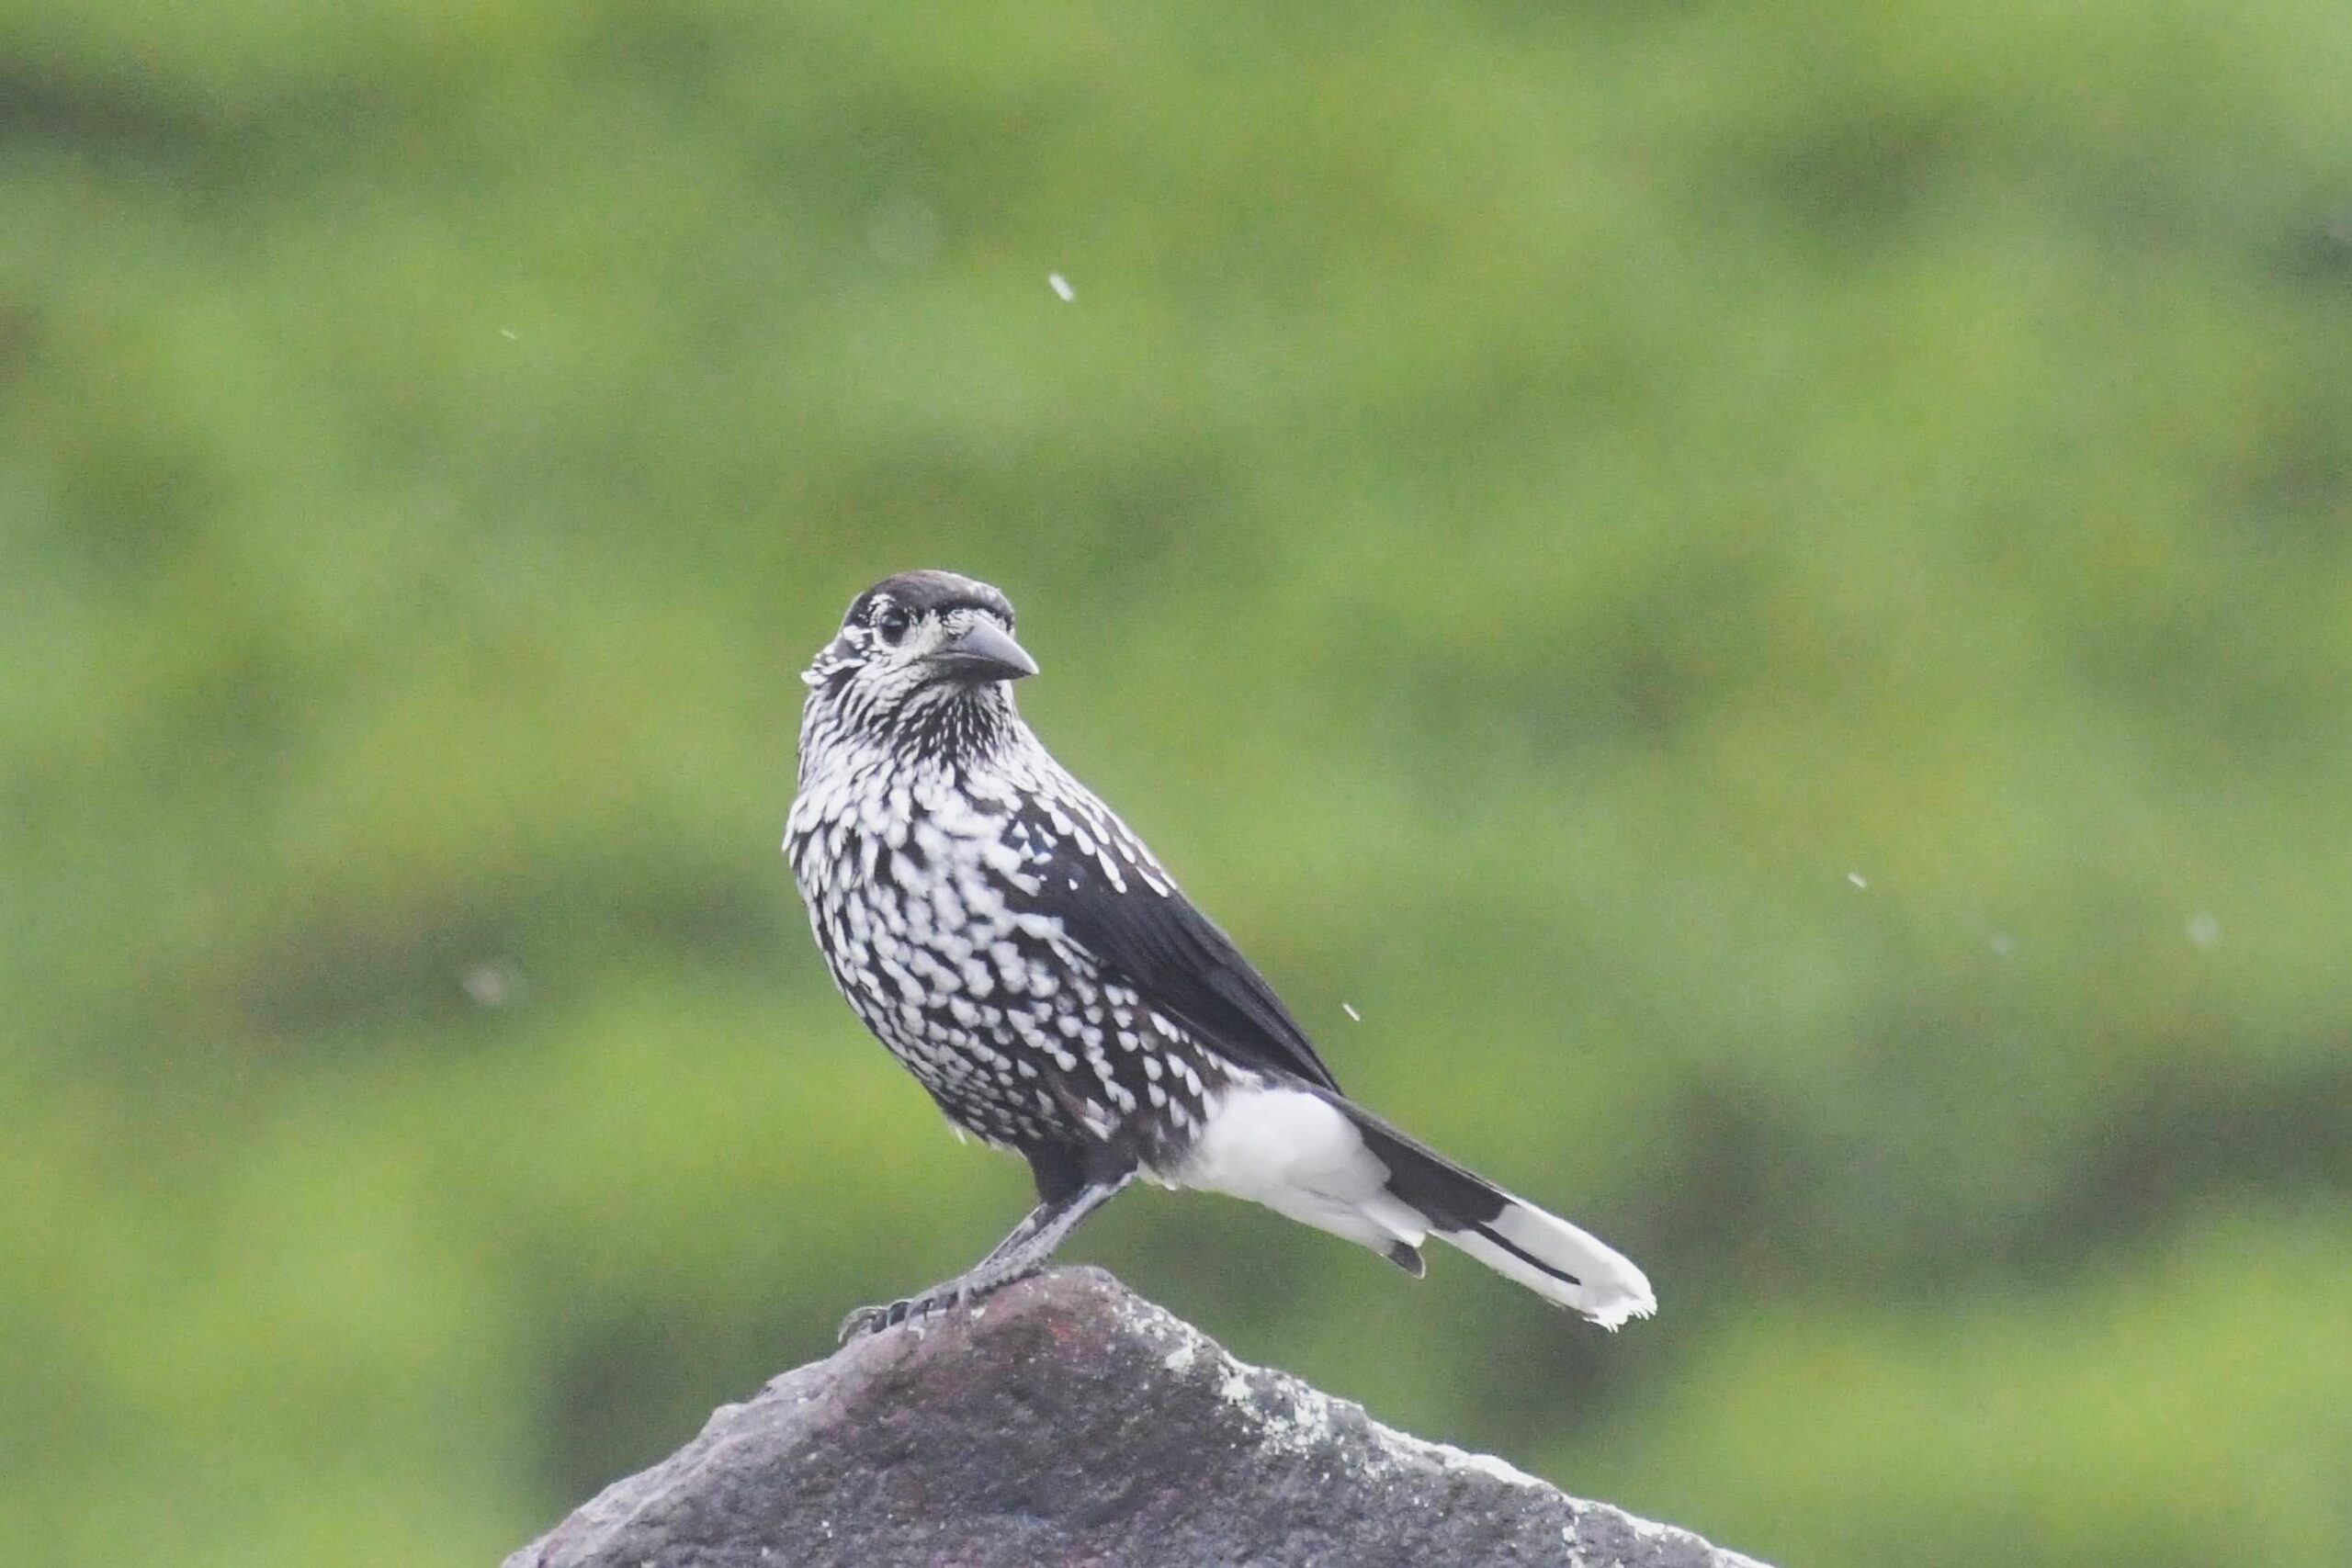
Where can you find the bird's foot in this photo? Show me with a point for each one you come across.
(869, 1320)
(960, 1291)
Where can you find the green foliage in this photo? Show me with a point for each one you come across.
(1526, 501)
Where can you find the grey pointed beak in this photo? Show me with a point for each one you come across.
(985, 652)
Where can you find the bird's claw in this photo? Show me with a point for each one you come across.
(869, 1320)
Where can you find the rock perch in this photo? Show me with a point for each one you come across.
(1066, 1421)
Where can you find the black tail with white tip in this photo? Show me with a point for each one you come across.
(1516, 1240)
(1307, 1152)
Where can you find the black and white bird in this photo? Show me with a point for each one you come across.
(1024, 956)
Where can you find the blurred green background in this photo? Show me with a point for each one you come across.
(1765, 591)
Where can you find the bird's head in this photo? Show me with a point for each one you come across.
(925, 656)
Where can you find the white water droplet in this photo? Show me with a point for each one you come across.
(1858, 879)
(1348, 1008)
(2002, 944)
(494, 982)
(2203, 928)
(1061, 286)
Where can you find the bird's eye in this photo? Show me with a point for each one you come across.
(892, 624)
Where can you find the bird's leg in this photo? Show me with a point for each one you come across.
(1021, 1254)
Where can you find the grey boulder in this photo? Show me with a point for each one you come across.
(1065, 1421)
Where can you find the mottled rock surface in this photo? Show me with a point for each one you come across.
(1066, 1421)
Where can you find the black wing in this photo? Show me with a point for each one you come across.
(1156, 943)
